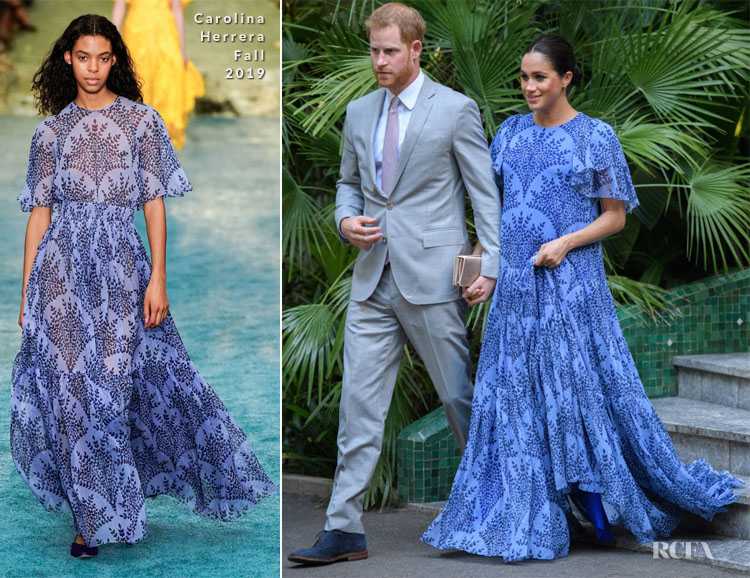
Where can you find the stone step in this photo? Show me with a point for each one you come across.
(734, 523)
(716, 378)
(717, 551)
(743, 492)
(721, 436)
(702, 430)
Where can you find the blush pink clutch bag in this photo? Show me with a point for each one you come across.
(465, 269)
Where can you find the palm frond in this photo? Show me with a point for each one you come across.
(619, 246)
(663, 145)
(302, 229)
(718, 214)
(463, 39)
(313, 336)
(650, 298)
(675, 69)
(334, 258)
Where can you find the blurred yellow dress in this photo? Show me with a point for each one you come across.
(150, 33)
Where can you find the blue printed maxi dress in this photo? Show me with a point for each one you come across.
(558, 405)
(105, 412)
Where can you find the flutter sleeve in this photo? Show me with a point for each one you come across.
(599, 166)
(39, 190)
(159, 172)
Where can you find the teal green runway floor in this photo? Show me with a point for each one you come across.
(223, 287)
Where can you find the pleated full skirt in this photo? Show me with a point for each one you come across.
(106, 413)
(558, 402)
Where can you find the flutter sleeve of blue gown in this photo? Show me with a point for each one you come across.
(599, 166)
(158, 170)
(39, 189)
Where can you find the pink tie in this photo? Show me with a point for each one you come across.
(390, 147)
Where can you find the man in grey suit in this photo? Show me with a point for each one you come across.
(412, 150)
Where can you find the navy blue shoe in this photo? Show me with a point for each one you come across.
(82, 551)
(332, 546)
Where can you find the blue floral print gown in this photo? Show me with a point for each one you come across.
(559, 410)
(105, 412)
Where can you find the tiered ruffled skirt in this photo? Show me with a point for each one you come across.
(558, 404)
(105, 413)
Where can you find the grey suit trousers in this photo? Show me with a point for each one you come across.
(376, 332)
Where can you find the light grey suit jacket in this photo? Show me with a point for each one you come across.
(444, 156)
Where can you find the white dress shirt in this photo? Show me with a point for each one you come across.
(408, 98)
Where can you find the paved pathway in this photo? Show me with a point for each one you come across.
(396, 552)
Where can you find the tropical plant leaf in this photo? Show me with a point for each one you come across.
(653, 195)
(302, 228)
(463, 38)
(620, 245)
(650, 298)
(650, 145)
(675, 87)
(313, 337)
(718, 213)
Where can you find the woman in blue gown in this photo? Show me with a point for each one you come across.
(559, 413)
(107, 407)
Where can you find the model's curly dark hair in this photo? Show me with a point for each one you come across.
(54, 85)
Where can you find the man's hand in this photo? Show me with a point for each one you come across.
(479, 291)
(359, 233)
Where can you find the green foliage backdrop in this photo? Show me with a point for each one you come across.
(671, 78)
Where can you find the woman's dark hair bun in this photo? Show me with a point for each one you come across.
(559, 53)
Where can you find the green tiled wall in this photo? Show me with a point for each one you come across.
(709, 316)
(427, 456)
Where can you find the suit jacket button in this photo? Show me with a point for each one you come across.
(389, 206)
(385, 240)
